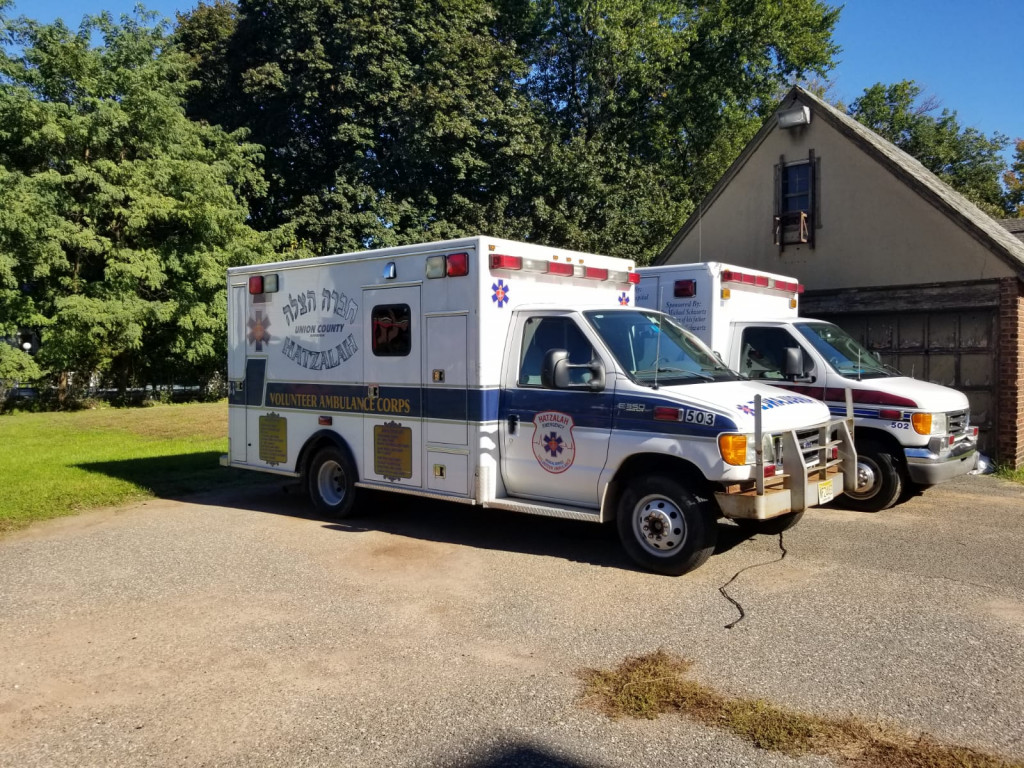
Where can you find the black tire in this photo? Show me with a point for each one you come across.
(885, 483)
(770, 527)
(330, 480)
(664, 527)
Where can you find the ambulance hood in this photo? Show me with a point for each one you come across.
(920, 394)
(780, 410)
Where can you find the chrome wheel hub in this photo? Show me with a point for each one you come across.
(659, 525)
(330, 483)
(867, 479)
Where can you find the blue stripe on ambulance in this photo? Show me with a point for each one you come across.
(866, 413)
(599, 409)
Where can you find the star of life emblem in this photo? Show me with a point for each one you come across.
(553, 445)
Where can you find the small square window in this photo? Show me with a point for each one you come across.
(391, 326)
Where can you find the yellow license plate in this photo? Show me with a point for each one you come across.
(825, 492)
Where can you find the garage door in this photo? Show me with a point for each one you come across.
(957, 349)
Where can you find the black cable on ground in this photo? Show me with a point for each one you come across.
(726, 595)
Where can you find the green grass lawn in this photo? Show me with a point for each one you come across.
(53, 464)
(1016, 475)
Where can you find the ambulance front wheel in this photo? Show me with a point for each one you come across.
(879, 480)
(665, 527)
(331, 482)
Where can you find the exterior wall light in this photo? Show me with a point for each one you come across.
(791, 118)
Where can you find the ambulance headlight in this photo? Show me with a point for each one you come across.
(735, 449)
(929, 423)
(740, 450)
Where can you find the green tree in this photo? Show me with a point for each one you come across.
(585, 123)
(683, 85)
(118, 215)
(1014, 181)
(965, 158)
(385, 121)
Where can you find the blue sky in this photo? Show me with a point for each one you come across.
(967, 54)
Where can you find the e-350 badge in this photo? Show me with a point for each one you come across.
(552, 441)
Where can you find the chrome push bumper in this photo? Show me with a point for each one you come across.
(813, 472)
(930, 466)
(781, 501)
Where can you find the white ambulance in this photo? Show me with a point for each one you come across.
(908, 433)
(517, 377)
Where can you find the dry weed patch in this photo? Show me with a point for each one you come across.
(650, 685)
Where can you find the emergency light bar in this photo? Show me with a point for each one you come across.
(760, 281)
(259, 284)
(452, 265)
(562, 269)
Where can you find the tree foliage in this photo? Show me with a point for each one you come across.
(383, 122)
(1014, 181)
(135, 166)
(583, 123)
(965, 158)
(118, 214)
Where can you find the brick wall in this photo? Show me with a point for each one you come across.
(1010, 415)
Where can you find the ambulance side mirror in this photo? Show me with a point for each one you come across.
(554, 374)
(798, 364)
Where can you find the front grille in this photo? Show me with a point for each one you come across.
(809, 442)
(957, 421)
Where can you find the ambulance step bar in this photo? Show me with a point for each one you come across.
(537, 508)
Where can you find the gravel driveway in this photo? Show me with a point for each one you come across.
(239, 630)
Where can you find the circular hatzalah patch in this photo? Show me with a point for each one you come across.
(552, 441)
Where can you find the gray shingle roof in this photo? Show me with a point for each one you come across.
(1014, 227)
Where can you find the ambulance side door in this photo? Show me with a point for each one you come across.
(392, 426)
(554, 442)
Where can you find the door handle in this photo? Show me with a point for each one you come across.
(513, 424)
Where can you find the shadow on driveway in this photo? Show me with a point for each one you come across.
(200, 479)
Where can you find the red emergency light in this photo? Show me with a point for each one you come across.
(498, 261)
(684, 289)
(457, 264)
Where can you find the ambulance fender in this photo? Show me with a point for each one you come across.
(652, 464)
(318, 440)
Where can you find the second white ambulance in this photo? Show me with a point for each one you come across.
(907, 432)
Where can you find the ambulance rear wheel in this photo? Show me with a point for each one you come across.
(879, 480)
(664, 527)
(331, 482)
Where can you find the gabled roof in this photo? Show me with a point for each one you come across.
(904, 167)
(1015, 227)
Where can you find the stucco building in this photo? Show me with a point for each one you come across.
(884, 248)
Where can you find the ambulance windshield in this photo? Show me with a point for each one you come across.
(655, 350)
(843, 352)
